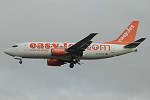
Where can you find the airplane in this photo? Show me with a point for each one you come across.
(58, 54)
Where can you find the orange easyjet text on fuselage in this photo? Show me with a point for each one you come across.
(47, 46)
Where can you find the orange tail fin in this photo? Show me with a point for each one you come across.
(127, 36)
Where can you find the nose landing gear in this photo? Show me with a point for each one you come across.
(19, 58)
(20, 62)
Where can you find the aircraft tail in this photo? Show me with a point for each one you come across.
(128, 36)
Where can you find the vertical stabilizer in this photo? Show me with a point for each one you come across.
(128, 36)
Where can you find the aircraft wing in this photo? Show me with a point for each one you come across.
(81, 45)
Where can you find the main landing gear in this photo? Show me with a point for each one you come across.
(71, 65)
(74, 61)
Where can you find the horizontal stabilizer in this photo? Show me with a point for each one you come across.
(135, 44)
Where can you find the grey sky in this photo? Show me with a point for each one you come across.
(121, 78)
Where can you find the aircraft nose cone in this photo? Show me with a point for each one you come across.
(9, 52)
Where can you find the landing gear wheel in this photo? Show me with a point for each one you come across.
(20, 62)
(71, 65)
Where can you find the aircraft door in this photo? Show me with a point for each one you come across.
(26, 47)
(113, 50)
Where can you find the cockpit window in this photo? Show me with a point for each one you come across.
(15, 46)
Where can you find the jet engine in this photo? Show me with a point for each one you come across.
(54, 62)
(58, 52)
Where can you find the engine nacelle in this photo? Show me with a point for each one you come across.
(54, 62)
(58, 52)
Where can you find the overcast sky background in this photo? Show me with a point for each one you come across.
(125, 77)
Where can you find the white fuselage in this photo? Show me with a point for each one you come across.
(58, 54)
(42, 50)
